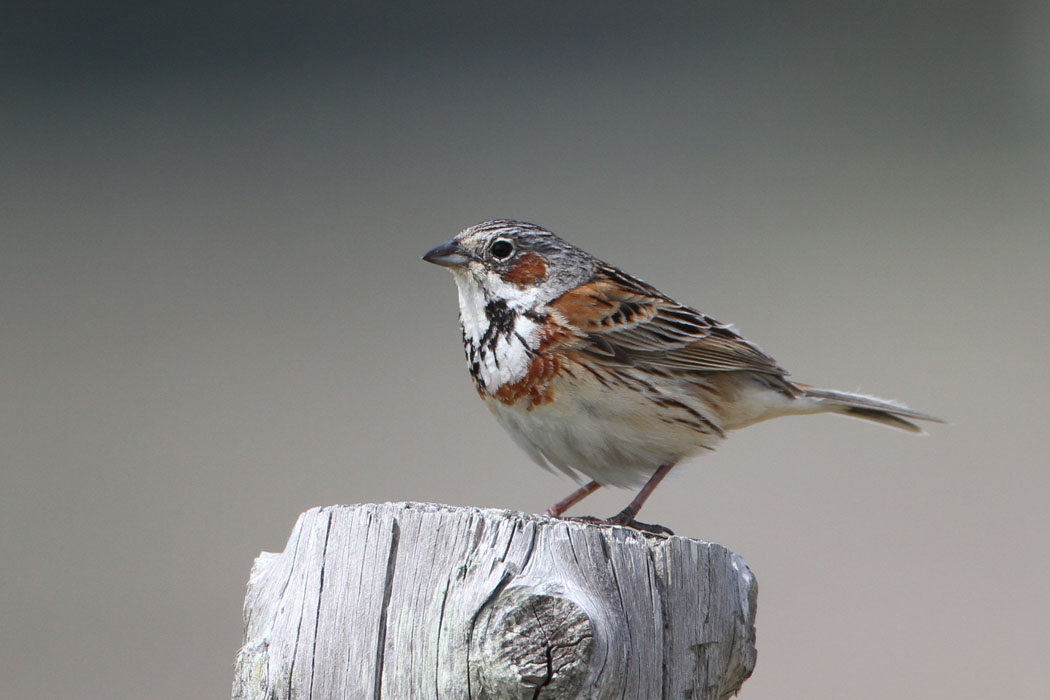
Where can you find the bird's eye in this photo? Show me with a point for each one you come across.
(501, 249)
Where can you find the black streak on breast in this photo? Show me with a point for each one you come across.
(501, 318)
(501, 323)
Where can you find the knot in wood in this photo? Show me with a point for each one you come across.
(529, 644)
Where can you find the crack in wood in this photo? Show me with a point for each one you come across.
(320, 595)
(391, 563)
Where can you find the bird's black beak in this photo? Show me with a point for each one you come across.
(448, 255)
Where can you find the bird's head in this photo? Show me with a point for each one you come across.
(520, 263)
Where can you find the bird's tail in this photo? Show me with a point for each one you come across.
(888, 413)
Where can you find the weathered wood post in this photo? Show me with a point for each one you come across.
(411, 601)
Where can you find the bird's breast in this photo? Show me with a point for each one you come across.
(502, 348)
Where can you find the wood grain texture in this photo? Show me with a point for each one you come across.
(410, 600)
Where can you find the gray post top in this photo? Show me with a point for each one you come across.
(416, 600)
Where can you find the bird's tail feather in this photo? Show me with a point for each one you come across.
(887, 413)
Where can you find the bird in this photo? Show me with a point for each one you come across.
(597, 374)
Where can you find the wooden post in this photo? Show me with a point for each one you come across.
(410, 601)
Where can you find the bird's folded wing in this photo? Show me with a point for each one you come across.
(626, 321)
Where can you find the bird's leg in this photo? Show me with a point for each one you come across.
(572, 499)
(626, 516)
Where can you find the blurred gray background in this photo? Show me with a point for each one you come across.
(214, 315)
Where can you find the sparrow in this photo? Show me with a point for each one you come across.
(599, 375)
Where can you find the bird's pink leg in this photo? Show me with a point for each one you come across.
(572, 499)
(627, 515)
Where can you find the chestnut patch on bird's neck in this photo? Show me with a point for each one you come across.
(528, 270)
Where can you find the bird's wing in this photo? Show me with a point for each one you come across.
(623, 320)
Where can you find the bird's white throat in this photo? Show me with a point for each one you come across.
(502, 357)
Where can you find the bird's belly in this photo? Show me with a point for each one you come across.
(615, 436)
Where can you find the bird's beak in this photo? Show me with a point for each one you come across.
(448, 255)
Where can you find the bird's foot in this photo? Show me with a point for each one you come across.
(624, 522)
